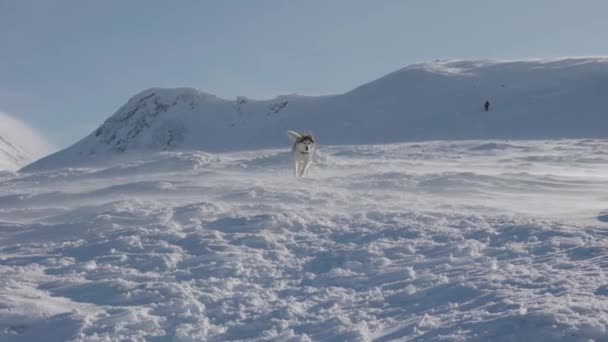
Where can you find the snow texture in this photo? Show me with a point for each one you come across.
(430, 241)
(534, 99)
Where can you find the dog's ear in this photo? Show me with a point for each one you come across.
(293, 135)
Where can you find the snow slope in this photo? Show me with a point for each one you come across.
(11, 157)
(19, 144)
(440, 100)
(431, 241)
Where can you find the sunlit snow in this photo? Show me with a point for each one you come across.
(434, 241)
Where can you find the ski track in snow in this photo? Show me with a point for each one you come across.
(434, 241)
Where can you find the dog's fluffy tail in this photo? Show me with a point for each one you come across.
(293, 135)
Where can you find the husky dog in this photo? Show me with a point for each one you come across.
(302, 152)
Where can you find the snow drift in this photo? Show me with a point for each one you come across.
(439, 100)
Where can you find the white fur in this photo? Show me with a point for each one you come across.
(302, 153)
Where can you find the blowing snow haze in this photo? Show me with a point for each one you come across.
(530, 99)
(19, 144)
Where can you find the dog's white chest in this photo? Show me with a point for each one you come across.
(302, 163)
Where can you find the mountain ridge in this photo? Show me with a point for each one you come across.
(544, 98)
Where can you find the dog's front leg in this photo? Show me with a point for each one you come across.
(299, 169)
(306, 169)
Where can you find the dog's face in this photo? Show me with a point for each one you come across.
(305, 144)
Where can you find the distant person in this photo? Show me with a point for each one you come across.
(486, 105)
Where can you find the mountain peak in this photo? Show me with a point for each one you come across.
(168, 94)
(145, 110)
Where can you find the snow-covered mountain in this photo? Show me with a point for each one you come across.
(11, 156)
(19, 144)
(438, 100)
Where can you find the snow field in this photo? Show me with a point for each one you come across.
(435, 241)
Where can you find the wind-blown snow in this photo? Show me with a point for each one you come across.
(19, 144)
(433, 241)
(534, 99)
(11, 157)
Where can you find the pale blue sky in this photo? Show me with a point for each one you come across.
(65, 66)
